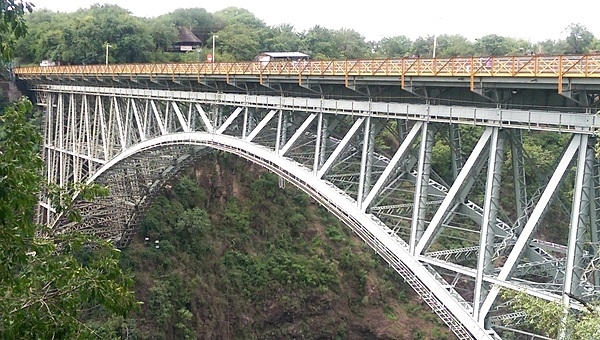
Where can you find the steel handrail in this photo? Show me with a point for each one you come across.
(537, 66)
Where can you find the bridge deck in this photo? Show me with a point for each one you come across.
(556, 68)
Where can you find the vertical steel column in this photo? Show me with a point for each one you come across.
(324, 139)
(250, 122)
(520, 185)
(455, 150)
(278, 137)
(485, 265)
(49, 121)
(588, 211)
(594, 215)
(370, 152)
(422, 182)
(363, 162)
(279, 131)
(103, 128)
(87, 134)
(61, 138)
(72, 137)
(317, 154)
(579, 219)
(284, 129)
(245, 127)
(525, 236)
(282, 135)
(402, 127)
(218, 116)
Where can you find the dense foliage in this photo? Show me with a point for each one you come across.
(549, 318)
(81, 37)
(224, 253)
(47, 282)
(12, 25)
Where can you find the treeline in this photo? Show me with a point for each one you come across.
(81, 38)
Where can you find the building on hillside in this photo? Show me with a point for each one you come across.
(187, 41)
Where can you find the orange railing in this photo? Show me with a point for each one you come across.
(565, 66)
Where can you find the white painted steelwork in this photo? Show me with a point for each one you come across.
(443, 230)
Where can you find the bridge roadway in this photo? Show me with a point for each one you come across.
(424, 159)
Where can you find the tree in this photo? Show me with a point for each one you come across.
(47, 281)
(283, 38)
(198, 19)
(423, 47)
(241, 34)
(579, 39)
(493, 44)
(549, 317)
(394, 47)
(237, 42)
(45, 37)
(351, 44)
(320, 43)
(90, 29)
(12, 25)
(453, 46)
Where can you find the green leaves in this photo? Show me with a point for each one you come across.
(46, 280)
(549, 317)
(12, 25)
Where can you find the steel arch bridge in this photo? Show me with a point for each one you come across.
(457, 231)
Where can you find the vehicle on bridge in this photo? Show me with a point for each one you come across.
(295, 57)
(46, 62)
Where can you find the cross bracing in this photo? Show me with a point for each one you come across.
(446, 230)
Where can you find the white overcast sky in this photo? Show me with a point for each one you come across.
(533, 20)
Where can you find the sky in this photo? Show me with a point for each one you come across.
(532, 20)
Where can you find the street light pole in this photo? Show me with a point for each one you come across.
(213, 54)
(107, 46)
(437, 30)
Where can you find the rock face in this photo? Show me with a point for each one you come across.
(9, 91)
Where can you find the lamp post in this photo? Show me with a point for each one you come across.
(213, 54)
(435, 35)
(107, 46)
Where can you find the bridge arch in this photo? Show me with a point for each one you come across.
(112, 133)
(368, 227)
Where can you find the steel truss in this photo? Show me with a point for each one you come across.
(446, 229)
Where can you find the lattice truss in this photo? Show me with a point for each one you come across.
(473, 213)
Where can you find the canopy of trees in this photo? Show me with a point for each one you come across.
(81, 37)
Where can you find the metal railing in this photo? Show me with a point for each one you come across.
(542, 66)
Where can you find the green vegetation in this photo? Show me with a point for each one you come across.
(12, 25)
(81, 37)
(549, 319)
(248, 260)
(48, 282)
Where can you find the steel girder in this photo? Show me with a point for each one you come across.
(444, 229)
